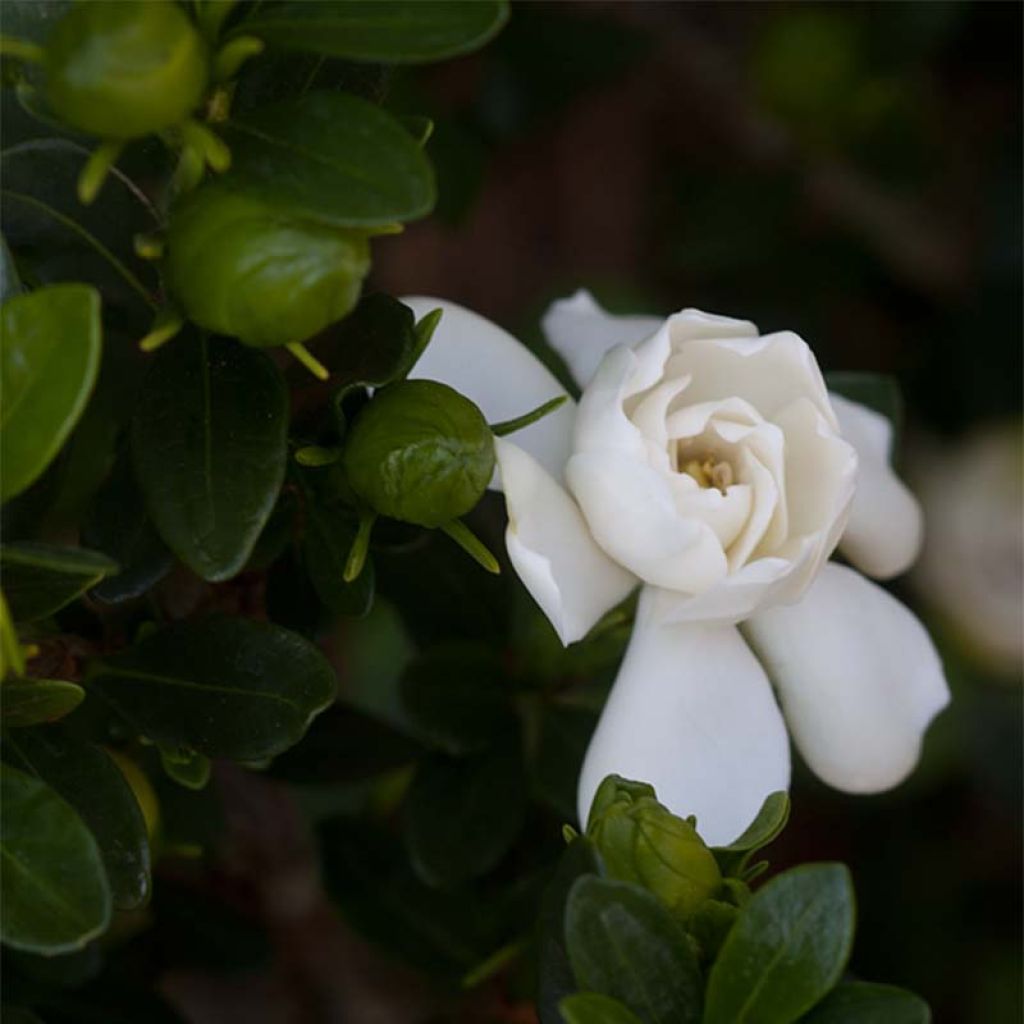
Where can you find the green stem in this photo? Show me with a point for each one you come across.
(308, 360)
(166, 324)
(96, 169)
(472, 545)
(360, 546)
(511, 426)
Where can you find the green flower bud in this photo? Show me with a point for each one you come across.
(120, 70)
(239, 267)
(420, 452)
(641, 841)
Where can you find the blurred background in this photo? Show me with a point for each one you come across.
(848, 171)
(852, 172)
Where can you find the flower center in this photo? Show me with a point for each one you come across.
(707, 469)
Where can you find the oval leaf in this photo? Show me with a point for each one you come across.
(332, 158)
(83, 775)
(593, 1008)
(461, 816)
(389, 31)
(224, 687)
(787, 948)
(50, 358)
(54, 895)
(860, 1002)
(39, 579)
(623, 943)
(26, 702)
(209, 440)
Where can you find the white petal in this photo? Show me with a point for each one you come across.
(858, 677)
(500, 374)
(884, 532)
(692, 713)
(568, 575)
(631, 513)
(769, 372)
(580, 331)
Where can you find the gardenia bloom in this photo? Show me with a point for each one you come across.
(709, 466)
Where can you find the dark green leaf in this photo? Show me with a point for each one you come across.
(39, 579)
(861, 1002)
(592, 1008)
(185, 766)
(209, 441)
(9, 283)
(224, 687)
(623, 943)
(787, 948)
(331, 158)
(117, 524)
(461, 816)
(878, 391)
(52, 234)
(330, 532)
(54, 895)
(457, 696)
(565, 732)
(554, 973)
(389, 31)
(372, 346)
(34, 701)
(50, 358)
(346, 745)
(764, 829)
(93, 785)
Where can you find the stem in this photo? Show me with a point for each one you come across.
(472, 545)
(308, 360)
(510, 426)
(360, 546)
(96, 169)
(22, 49)
(166, 324)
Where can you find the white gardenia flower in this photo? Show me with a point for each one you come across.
(708, 465)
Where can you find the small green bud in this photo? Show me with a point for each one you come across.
(420, 452)
(120, 70)
(641, 841)
(239, 267)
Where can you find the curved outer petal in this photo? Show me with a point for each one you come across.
(580, 331)
(692, 713)
(858, 677)
(885, 529)
(567, 574)
(500, 374)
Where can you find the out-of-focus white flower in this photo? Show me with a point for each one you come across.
(971, 566)
(708, 465)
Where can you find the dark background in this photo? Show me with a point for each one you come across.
(852, 172)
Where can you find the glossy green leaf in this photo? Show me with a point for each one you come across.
(373, 345)
(59, 239)
(346, 745)
(461, 816)
(50, 358)
(209, 441)
(331, 158)
(224, 687)
(593, 1008)
(326, 543)
(83, 775)
(861, 1002)
(117, 524)
(788, 947)
(764, 829)
(623, 943)
(26, 702)
(39, 579)
(389, 31)
(54, 895)
(458, 698)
